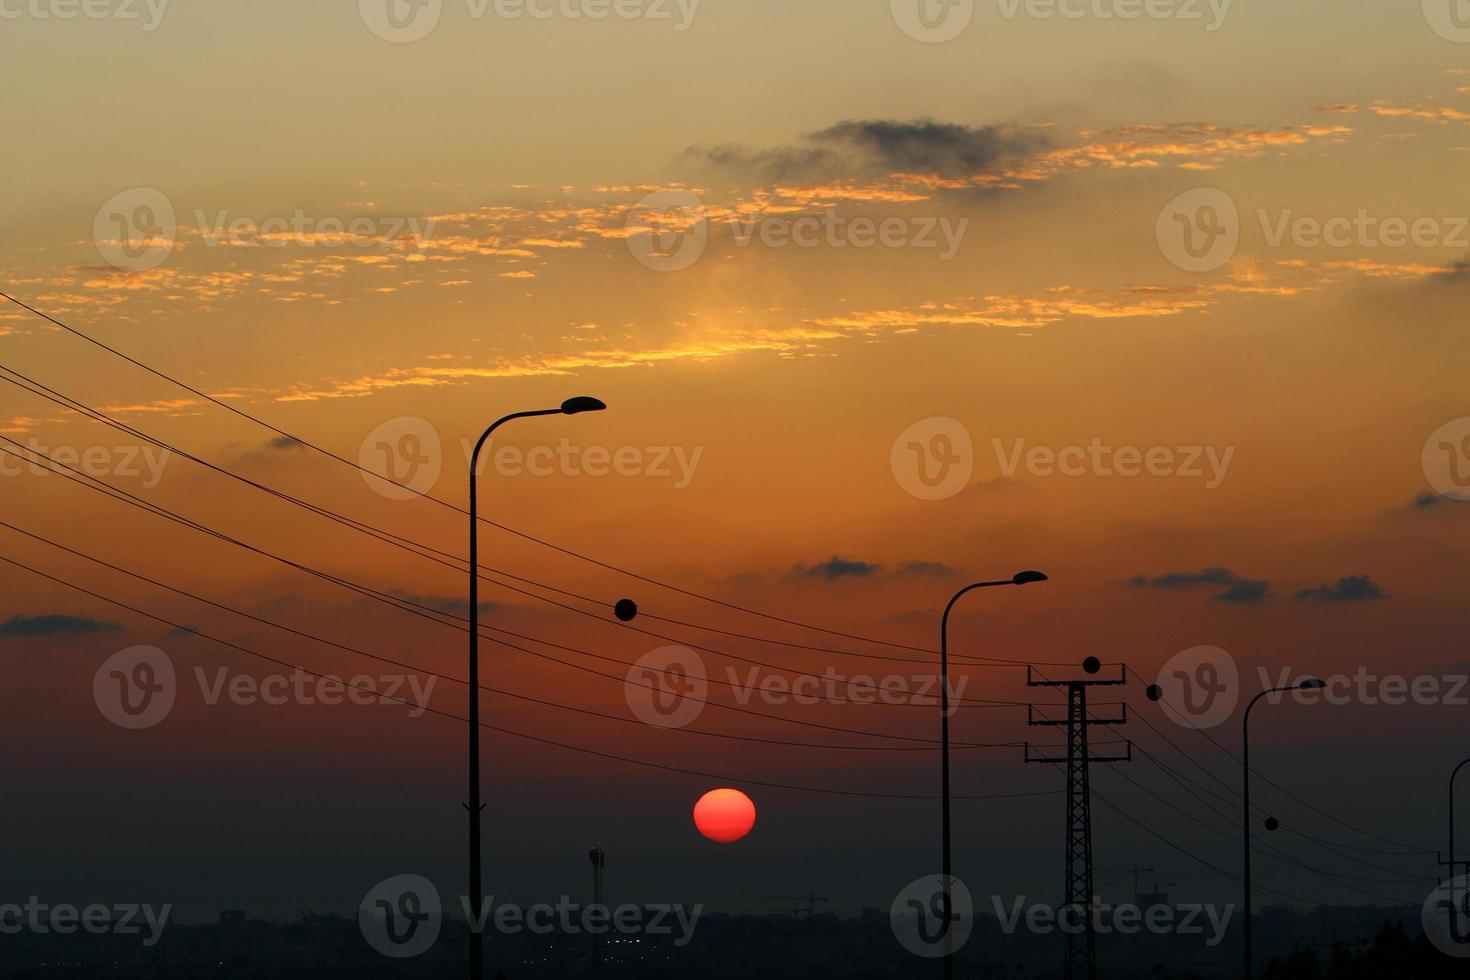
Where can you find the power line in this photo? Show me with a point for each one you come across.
(305, 634)
(432, 615)
(1288, 793)
(506, 731)
(431, 553)
(399, 600)
(444, 503)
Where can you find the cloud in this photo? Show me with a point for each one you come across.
(282, 443)
(1428, 500)
(1237, 588)
(927, 569)
(55, 624)
(878, 148)
(450, 605)
(1245, 592)
(1352, 588)
(836, 568)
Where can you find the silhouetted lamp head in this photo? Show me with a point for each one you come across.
(1154, 693)
(1092, 665)
(580, 404)
(1312, 684)
(1026, 578)
(1273, 824)
(625, 610)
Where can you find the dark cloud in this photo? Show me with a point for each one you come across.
(1352, 588)
(453, 605)
(1456, 273)
(1429, 500)
(1245, 592)
(54, 624)
(836, 568)
(285, 442)
(877, 148)
(935, 569)
(1237, 588)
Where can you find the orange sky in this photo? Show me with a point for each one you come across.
(363, 241)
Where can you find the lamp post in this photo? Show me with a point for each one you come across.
(1020, 578)
(1308, 684)
(1451, 855)
(572, 406)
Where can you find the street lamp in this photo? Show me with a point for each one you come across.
(1020, 578)
(1451, 855)
(572, 406)
(1307, 684)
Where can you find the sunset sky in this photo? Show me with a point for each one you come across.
(379, 244)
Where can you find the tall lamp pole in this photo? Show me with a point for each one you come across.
(1451, 855)
(1020, 578)
(1308, 684)
(572, 406)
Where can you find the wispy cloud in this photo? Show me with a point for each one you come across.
(55, 624)
(1352, 588)
(1235, 588)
